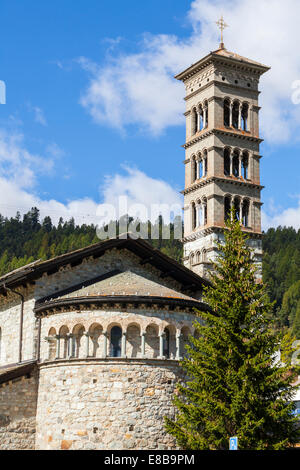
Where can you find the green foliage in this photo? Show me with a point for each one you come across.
(281, 268)
(234, 386)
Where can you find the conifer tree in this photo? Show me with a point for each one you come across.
(234, 386)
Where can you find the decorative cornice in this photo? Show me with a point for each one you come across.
(224, 179)
(218, 82)
(242, 135)
(110, 301)
(218, 229)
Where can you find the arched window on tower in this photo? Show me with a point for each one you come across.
(115, 341)
(236, 164)
(226, 113)
(235, 114)
(201, 117)
(227, 162)
(227, 208)
(206, 114)
(201, 169)
(204, 205)
(194, 169)
(245, 111)
(245, 165)
(205, 164)
(237, 208)
(194, 121)
(194, 216)
(245, 214)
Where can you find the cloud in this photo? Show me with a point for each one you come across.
(138, 88)
(289, 217)
(18, 176)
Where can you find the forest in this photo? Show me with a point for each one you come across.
(27, 238)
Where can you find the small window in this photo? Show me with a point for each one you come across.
(248, 85)
(115, 341)
(236, 81)
(223, 78)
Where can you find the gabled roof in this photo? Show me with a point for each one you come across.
(139, 247)
(222, 54)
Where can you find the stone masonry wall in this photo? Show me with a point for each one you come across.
(105, 404)
(18, 401)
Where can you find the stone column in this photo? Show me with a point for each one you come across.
(197, 215)
(240, 117)
(241, 211)
(161, 346)
(197, 163)
(87, 344)
(198, 120)
(231, 162)
(69, 352)
(123, 345)
(104, 355)
(143, 338)
(240, 165)
(57, 347)
(230, 114)
(178, 352)
(204, 117)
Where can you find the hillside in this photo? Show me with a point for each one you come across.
(25, 239)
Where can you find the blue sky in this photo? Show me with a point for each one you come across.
(93, 111)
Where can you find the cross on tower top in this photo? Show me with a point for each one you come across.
(222, 25)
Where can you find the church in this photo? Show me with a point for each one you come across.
(90, 341)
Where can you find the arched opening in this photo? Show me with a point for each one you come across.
(227, 208)
(95, 332)
(63, 333)
(245, 165)
(227, 162)
(201, 117)
(152, 341)
(205, 164)
(235, 114)
(194, 169)
(236, 164)
(204, 205)
(77, 333)
(245, 110)
(245, 213)
(194, 216)
(133, 341)
(194, 121)
(166, 343)
(115, 341)
(201, 169)
(237, 208)
(227, 113)
(52, 344)
(206, 114)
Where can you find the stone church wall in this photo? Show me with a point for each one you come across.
(105, 404)
(18, 401)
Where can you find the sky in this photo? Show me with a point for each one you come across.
(93, 112)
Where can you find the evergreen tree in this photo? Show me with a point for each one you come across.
(234, 385)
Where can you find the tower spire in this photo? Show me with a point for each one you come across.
(222, 25)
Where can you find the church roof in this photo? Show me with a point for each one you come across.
(118, 287)
(15, 371)
(220, 54)
(168, 266)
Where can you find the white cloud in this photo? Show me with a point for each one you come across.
(18, 173)
(138, 88)
(289, 217)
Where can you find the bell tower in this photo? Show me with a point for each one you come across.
(222, 159)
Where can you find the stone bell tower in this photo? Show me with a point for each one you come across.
(222, 159)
